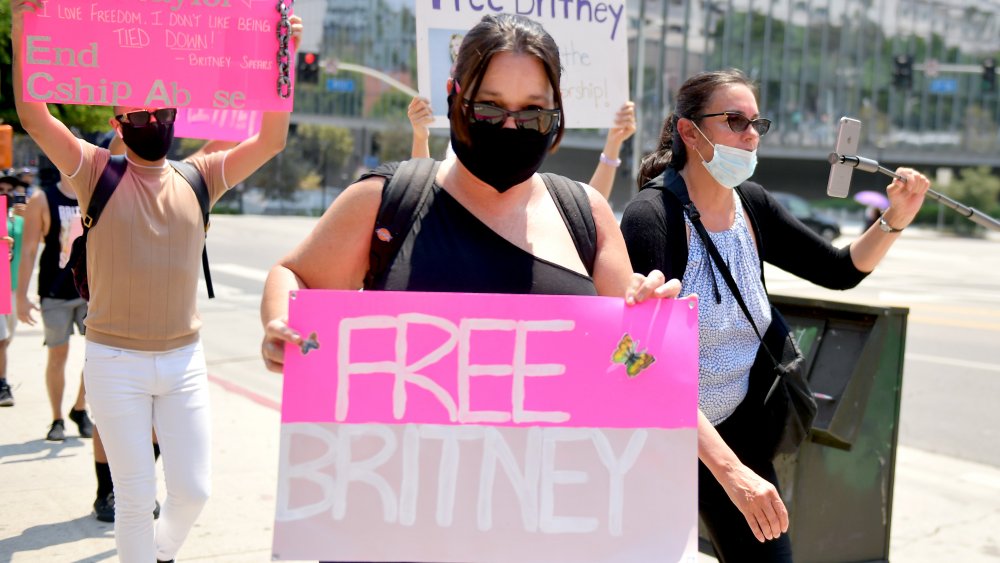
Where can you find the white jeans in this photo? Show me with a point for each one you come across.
(130, 393)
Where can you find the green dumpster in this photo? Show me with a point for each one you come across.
(838, 487)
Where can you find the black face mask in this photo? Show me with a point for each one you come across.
(500, 156)
(150, 142)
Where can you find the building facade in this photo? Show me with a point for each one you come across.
(911, 70)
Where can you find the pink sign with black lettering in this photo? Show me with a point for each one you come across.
(219, 54)
(471, 427)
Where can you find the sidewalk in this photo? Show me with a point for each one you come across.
(49, 487)
(945, 509)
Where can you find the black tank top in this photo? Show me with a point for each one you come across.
(54, 278)
(449, 249)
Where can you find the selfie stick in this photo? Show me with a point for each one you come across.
(870, 165)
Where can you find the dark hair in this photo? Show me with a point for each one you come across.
(692, 98)
(48, 174)
(502, 33)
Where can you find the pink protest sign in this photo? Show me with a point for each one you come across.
(217, 124)
(5, 284)
(470, 427)
(520, 359)
(219, 54)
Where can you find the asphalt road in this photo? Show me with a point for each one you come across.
(951, 382)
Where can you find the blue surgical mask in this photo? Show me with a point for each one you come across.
(730, 166)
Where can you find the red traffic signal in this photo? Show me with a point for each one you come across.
(307, 68)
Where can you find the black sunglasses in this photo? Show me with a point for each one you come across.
(541, 120)
(141, 118)
(739, 122)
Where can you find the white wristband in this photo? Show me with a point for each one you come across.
(612, 162)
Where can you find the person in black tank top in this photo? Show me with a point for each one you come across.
(52, 217)
(484, 222)
(489, 223)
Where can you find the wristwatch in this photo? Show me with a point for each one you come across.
(886, 227)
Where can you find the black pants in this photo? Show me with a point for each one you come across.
(728, 529)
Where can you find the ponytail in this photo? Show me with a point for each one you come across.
(669, 152)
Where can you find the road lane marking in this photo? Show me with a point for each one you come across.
(238, 270)
(955, 362)
(960, 323)
(246, 393)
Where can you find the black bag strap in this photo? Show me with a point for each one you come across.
(108, 181)
(724, 270)
(106, 184)
(191, 175)
(403, 196)
(574, 206)
(695, 217)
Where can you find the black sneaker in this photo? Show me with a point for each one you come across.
(82, 422)
(57, 433)
(6, 397)
(104, 508)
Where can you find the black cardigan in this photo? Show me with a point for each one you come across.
(653, 226)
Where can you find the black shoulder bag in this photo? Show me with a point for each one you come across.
(777, 381)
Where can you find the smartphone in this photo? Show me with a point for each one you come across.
(20, 198)
(839, 184)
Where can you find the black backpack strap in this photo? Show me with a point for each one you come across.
(574, 206)
(679, 192)
(106, 184)
(190, 174)
(403, 196)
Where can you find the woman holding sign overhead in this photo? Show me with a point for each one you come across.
(145, 363)
(488, 222)
(707, 152)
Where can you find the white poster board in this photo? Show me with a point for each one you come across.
(593, 42)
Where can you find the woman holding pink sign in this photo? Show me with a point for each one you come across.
(145, 363)
(488, 222)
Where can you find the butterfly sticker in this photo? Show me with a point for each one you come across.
(309, 344)
(634, 362)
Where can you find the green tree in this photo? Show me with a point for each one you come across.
(312, 150)
(327, 149)
(395, 143)
(391, 105)
(280, 176)
(976, 187)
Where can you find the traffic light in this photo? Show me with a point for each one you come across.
(307, 69)
(902, 72)
(989, 75)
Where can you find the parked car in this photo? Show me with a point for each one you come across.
(815, 220)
